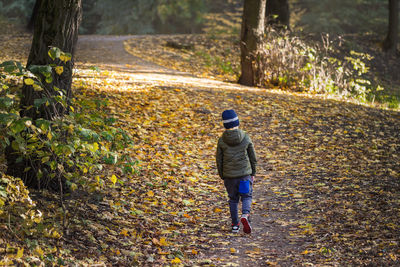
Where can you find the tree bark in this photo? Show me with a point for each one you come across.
(31, 23)
(390, 43)
(253, 27)
(277, 14)
(56, 25)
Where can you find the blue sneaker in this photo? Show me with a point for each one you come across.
(246, 223)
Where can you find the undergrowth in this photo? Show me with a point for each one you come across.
(78, 147)
(288, 62)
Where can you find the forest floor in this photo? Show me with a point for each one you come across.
(327, 190)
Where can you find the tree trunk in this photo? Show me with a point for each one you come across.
(390, 43)
(31, 23)
(56, 25)
(253, 27)
(277, 14)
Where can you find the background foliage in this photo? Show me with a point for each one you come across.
(18, 11)
(126, 16)
(191, 16)
(341, 16)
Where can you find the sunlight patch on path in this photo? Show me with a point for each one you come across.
(126, 69)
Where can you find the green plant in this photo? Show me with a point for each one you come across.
(286, 61)
(76, 146)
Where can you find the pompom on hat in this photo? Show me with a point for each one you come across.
(230, 119)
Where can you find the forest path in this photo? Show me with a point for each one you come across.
(108, 52)
(269, 242)
(324, 166)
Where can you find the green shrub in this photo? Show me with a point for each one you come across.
(286, 61)
(76, 146)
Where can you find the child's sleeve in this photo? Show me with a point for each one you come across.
(252, 157)
(219, 158)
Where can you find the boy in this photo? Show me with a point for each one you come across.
(236, 163)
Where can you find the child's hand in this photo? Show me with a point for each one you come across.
(252, 179)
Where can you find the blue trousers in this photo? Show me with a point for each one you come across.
(232, 187)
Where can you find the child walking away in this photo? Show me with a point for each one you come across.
(236, 163)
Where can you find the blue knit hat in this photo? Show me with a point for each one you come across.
(230, 119)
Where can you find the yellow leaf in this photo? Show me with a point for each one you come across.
(37, 219)
(233, 250)
(65, 58)
(49, 135)
(55, 234)
(113, 179)
(37, 87)
(160, 252)
(59, 70)
(150, 193)
(124, 232)
(305, 252)
(73, 186)
(194, 252)
(38, 251)
(95, 146)
(29, 81)
(217, 210)
(6, 262)
(20, 253)
(176, 261)
(163, 242)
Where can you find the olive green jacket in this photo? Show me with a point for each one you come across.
(236, 156)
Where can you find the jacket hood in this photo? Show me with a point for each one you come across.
(233, 137)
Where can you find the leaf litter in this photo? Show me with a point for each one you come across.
(326, 192)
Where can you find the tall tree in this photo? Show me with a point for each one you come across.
(32, 18)
(253, 27)
(390, 43)
(56, 26)
(277, 13)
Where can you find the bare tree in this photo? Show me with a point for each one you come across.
(33, 15)
(390, 43)
(56, 25)
(253, 27)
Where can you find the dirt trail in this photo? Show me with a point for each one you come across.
(94, 50)
(315, 155)
(269, 240)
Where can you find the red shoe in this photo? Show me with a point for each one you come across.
(246, 224)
